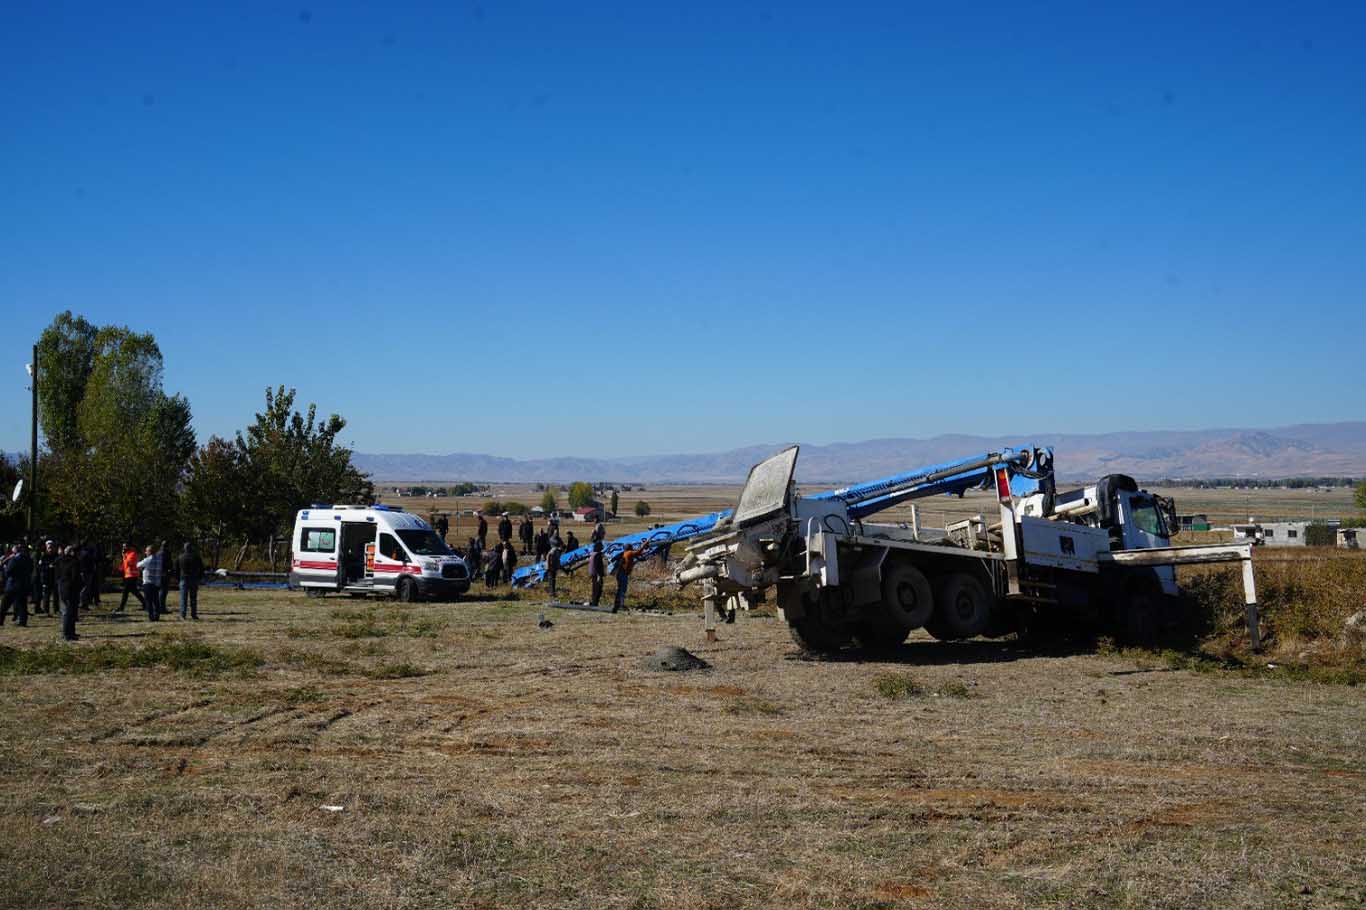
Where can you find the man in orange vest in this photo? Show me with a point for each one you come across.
(625, 563)
(131, 578)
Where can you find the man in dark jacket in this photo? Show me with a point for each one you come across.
(597, 570)
(43, 594)
(18, 581)
(509, 561)
(505, 528)
(552, 567)
(67, 577)
(86, 559)
(191, 568)
(571, 543)
(524, 534)
(482, 534)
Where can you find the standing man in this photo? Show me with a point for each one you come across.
(18, 580)
(571, 543)
(164, 586)
(42, 577)
(482, 534)
(542, 545)
(599, 533)
(150, 566)
(131, 578)
(509, 560)
(88, 575)
(597, 568)
(67, 576)
(191, 569)
(554, 525)
(524, 533)
(552, 566)
(625, 563)
(443, 526)
(505, 528)
(474, 559)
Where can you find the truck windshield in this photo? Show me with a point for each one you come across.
(424, 542)
(1145, 516)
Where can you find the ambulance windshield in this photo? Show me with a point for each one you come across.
(424, 542)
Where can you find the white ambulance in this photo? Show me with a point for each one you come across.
(373, 550)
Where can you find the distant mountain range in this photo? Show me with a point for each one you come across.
(1325, 449)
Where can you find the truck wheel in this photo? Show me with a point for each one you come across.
(1142, 620)
(315, 592)
(962, 608)
(907, 602)
(406, 591)
(814, 636)
(906, 597)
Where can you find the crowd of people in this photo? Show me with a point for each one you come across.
(65, 580)
(496, 563)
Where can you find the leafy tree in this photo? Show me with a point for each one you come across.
(292, 460)
(548, 501)
(613, 506)
(642, 508)
(493, 507)
(515, 508)
(119, 445)
(66, 358)
(580, 494)
(1360, 496)
(214, 501)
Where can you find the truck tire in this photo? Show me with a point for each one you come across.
(907, 603)
(814, 636)
(962, 607)
(406, 591)
(1142, 622)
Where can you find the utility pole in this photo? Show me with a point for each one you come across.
(33, 443)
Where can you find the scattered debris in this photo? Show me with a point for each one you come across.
(52, 819)
(673, 658)
(327, 808)
(543, 623)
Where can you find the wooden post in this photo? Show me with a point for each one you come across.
(1250, 598)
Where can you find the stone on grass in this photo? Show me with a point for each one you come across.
(674, 659)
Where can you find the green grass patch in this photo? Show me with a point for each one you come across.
(180, 655)
(401, 670)
(898, 685)
(360, 628)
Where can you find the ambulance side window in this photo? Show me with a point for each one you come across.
(319, 540)
(390, 549)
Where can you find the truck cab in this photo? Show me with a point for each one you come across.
(372, 550)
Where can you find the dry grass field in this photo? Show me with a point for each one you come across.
(481, 761)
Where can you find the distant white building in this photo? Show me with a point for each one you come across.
(1284, 533)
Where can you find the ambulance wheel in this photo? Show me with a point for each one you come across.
(314, 592)
(962, 608)
(406, 591)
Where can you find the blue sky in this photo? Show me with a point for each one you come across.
(545, 229)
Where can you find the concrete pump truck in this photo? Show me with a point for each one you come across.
(1046, 562)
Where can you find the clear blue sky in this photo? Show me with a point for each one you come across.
(544, 229)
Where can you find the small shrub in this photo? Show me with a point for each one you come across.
(954, 688)
(402, 670)
(898, 685)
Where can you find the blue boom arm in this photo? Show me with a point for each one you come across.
(1030, 469)
(651, 540)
